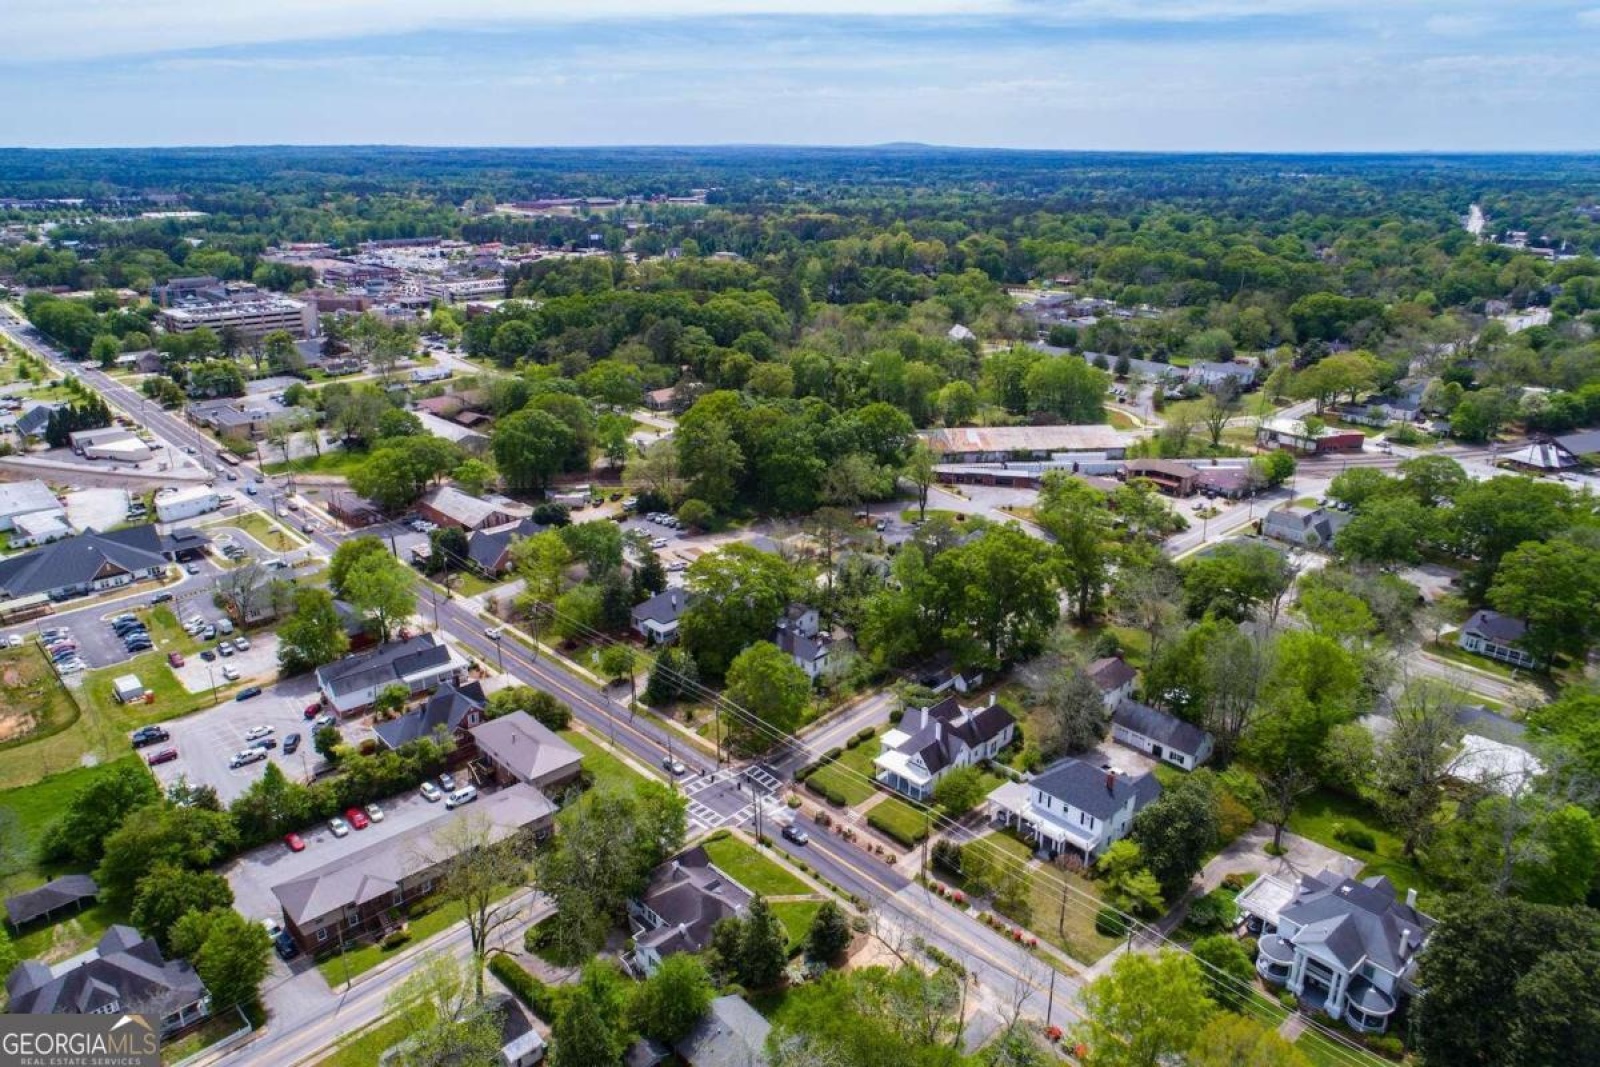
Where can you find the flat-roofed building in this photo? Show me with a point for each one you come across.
(250, 318)
(992, 444)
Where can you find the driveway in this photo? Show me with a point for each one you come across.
(1247, 855)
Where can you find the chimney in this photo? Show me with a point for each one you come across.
(1405, 939)
(1411, 899)
(1111, 782)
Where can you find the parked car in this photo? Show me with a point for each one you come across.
(192, 568)
(465, 795)
(175, 659)
(225, 650)
(209, 633)
(149, 735)
(268, 743)
(257, 731)
(230, 672)
(241, 643)
(249, 692)
(374, 813)
(339, 827)
(325, 719)
(431, 792)
(283, 944)
(311, 711)
(295, 842)
(208, 655)
(246, 757)
(163, 755)
(291, 742)
(447, 781)
(160, 598)
(357, 819)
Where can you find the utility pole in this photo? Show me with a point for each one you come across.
(1050, 1005)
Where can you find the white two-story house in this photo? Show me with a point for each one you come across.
(1349, 947)
(930, 741)
(1073, 807)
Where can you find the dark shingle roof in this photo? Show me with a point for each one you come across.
(485, 548)
(79, 560)
(665, 606)
(731, 1034)
(447, 709)
(1158, 726)
(1356, 920)
(1100, 793)
(690, 896)
(1493, 626)
(1111, 673)
(63, 891)
(938, 733)
(127, 972)
(388, 663)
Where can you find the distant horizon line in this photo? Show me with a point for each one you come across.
(880, 146)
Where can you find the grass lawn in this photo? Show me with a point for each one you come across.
(1071, 931)
(332, 461)
(901, 817)
(1325, 1052)
(1318, 815)
(363, 1048)
(171, 698)
(796, 916)
(267, 530)
(1120, 420)
(75, 932)
(363, 958)
(208, 1034)
(845, 775)
(611, 775)
(468, 584)
(1457, 654)
(746, 865)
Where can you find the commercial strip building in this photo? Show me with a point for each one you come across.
(112, 442)
(364, 894)
(88, 563)
(994, 444)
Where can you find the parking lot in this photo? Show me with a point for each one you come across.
(253, 875)
(207, 739)
(258, 663)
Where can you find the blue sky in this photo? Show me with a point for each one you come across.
(1249, 75)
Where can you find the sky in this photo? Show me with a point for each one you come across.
(1149, 75)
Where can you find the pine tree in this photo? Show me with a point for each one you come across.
(763, 947)
(829, 935)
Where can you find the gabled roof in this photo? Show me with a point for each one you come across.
(1356, 921)
(470, 511)
(59, 893)
(666, 606)
(527, 746)
(1159, 726)
(488, 546)
(1111, 673)
(1495, 627)
(1582, 443)
(79, 560)
(447, 709)
(387, 664)
(730, 1034)
(690, 896)
(125, 971)
(939, 733)
(1090, 789)
(32, 423)
(807, 648)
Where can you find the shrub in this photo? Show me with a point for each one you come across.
(1355, 836)
(793, 801)
(946, 856)
(395, 938)
(1235, 881)
(867, 734)
(1288, 999)
(720, 835)
(896, 715)
(831, 755)
(541, 999)
(887, 827)
(1109, 922)
(854, 742)
(1212, 912)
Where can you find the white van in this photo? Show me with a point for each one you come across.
(225, 626)
(465, 795)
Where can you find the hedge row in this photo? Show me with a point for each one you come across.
(540, 998)
(884, 827)
(828, 793)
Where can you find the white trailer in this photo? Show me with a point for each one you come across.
(186, 503)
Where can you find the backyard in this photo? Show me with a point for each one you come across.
(1331, 819)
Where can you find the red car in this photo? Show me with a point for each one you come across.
(165, 755)
(295, 842)
(356, 818)
(175, 658)
(311, 710)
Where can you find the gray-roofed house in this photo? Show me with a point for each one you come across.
(362, 894)
(1582, 443)
(1350, 947)
(800, 636)
(1541, 457)
(1158, 734)
(489, 549)
(68, 891)
(32, 423)
(124, 972)
(1073, 807)
(1114, 678)
(1303, 526)
(453, 709)
(730, 1034)
(928, 742)
(520, 748)
(656, 619)
(1491, 634)
(686, 897)
(89, 563)
(420, 663)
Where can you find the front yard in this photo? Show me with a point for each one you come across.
(362, 958)
(850, 776)
(743, 863)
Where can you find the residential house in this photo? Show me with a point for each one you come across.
(363, 894)
(1295, 436)
(929, 742)
(687, 896)
(1240, 375)
(353, 510)
(800, 636)
(1308, 527)
(1158, 734)
(661, 399)
(449, 506)
(489, 549)
(451, 709)
(88, 563)
(656, 619)
(730, 1034)
(1495, 636)
(939, 674)
(520, 748)
(1348, 947)
(1582, 443)
(420, 663)
(124, 972)
(1073, 807)
(1114, 678)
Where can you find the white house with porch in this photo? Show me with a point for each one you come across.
(930, 741)
(1349, 947)
(1073, 807)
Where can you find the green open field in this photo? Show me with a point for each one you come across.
(611, 775)
(35, 705)
(796, 917)
(758, 873)
(267, 530)
(332, 461)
